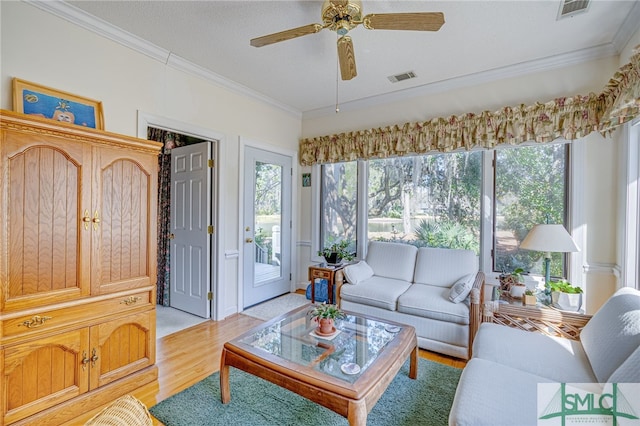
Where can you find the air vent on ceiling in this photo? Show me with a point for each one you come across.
(572, 7)
(401, 77)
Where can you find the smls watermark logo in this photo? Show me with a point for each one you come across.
(615, 404)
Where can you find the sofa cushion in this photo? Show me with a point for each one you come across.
(534, 353)
(432, 302)
(443, 267)
(613, 333)
(392, 260)
(461, 289)
(629, 371)
(492, 394)
(375, 291)
(358, 272)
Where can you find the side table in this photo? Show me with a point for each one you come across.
(328, 273)
(540, 318)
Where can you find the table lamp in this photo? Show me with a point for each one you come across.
(549, 238)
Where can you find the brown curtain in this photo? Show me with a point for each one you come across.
(170, 140)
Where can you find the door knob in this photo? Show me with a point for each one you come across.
(249, 240)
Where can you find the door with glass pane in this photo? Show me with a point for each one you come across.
(267, 226)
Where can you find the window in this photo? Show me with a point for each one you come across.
(338, 195)
(428, 200)
(436, 200)
(530, 187)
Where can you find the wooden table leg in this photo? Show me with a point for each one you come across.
(413, 366)
(225, 391)
(357, 413)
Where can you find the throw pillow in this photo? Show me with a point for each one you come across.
(461, 289)
(358, 272)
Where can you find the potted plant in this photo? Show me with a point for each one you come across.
(565, 296)
(334, 253)
(325, 315)
(529, 297)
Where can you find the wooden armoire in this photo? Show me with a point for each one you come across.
(77, 268)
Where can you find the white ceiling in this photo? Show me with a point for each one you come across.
(479, 38)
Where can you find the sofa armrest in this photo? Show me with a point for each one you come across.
(475, 308)
(540, 319)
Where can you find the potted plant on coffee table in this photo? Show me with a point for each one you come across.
(324, 315)
(336, 252)
(565, 296)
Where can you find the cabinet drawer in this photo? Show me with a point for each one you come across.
(50, 320)
(320, 274)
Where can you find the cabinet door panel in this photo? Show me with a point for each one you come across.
(46, 256)
(125, 196)
(41, 374)
(122, 346)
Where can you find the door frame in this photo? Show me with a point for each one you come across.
(243, 143)
(146, 120)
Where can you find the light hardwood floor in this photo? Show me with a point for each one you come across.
(186, 357)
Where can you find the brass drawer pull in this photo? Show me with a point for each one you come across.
(35, 321)
(85, 360)
(131, 300)
(94, 357)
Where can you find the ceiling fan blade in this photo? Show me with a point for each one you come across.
(419, 21)
(286, 35)
(346, 58)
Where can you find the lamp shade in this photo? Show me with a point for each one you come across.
(549, 238)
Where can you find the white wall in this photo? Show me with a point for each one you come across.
(42, 48)
(600, 154)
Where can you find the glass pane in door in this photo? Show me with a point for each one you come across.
(268, 221)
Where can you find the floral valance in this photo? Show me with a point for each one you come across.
(568, 118)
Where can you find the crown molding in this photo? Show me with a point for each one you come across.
(628, 28)
(98, 26)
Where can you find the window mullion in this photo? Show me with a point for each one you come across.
(362, 210)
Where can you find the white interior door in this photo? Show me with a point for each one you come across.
(267, 225)
(191, 234)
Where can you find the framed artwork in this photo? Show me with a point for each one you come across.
(306, 179)
(34, 99)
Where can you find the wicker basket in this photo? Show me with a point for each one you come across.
(506, 281)
(124, 411)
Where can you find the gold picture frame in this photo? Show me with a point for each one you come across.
(35, 99)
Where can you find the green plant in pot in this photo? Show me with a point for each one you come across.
(565, 296)
(529, 297)
(324, 315)
(336, 252)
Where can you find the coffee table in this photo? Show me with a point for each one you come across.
(347, 372)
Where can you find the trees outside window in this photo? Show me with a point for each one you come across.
(530, 188)
(339, 201)
(429, 200)
(435, 201)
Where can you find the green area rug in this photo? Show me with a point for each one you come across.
(425, 401)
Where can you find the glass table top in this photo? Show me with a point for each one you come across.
(346, 354)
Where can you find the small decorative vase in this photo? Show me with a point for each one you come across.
(517, 290)
(325, 326)
(529, 299)
(567, 301)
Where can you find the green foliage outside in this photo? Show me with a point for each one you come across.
(434, 201)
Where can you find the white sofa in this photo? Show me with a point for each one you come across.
(499, 385)
(412, 286)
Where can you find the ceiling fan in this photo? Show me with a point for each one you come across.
(342, 16)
